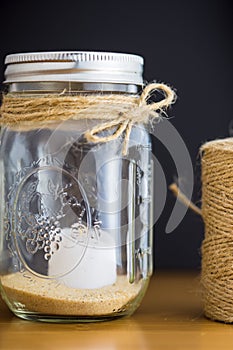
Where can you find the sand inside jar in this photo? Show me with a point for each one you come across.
(52, 298)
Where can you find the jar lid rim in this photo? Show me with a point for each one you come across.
(73, 56)
(74, 66)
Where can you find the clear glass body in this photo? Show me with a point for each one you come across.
(76, 222)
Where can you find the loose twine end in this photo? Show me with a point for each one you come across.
(183, 199)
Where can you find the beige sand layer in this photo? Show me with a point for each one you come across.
(49, 297)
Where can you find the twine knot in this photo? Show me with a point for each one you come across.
(130, 115)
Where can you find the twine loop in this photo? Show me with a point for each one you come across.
(113, 111)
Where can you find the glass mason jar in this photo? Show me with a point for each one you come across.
(76, 216)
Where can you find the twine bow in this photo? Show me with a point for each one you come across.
(25, 112)
(133, 115)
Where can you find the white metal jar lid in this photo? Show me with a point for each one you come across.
(74, 66)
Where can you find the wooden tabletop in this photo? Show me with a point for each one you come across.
(170, 317)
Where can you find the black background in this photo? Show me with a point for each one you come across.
(187, 44)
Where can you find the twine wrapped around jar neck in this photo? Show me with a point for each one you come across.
(113, 111)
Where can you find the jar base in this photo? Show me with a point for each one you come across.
(44, 301)
(67, 319)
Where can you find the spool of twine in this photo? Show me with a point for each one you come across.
(217, 212)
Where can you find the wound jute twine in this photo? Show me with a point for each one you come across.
(111, 111)
(217, 213)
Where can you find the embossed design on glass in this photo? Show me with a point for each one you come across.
(48, 203)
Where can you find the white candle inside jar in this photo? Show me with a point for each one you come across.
(86, 262)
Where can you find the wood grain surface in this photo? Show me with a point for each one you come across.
(170, 317)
